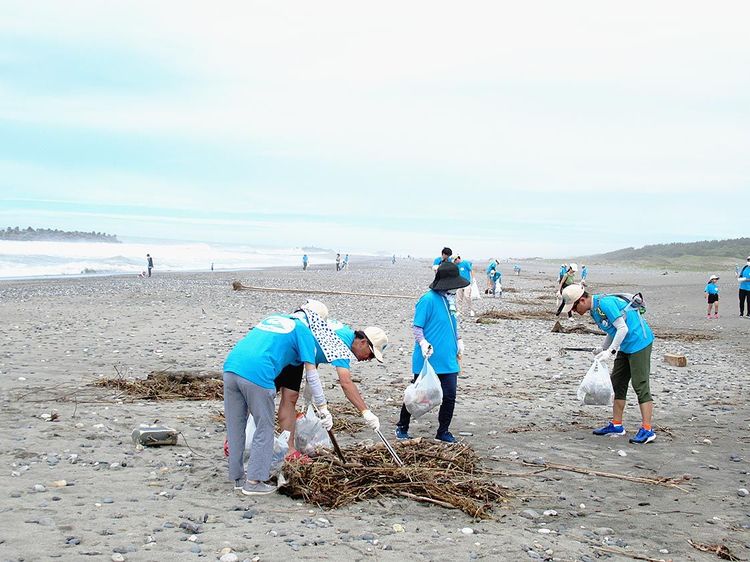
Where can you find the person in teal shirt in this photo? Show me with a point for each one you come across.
(436, 338)
(463, 296)
(629, 341)
(445, 256)
(744, 280)
(712, 296)
(250, 371)
(492, 267)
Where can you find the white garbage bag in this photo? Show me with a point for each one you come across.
(475, 294)
(423, 394)
(596, 387)
(310, 435)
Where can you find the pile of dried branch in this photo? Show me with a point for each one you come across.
(558, 328)
(490, 316)
(447, 476)
(169, 385)
(683, 336)
(719, 550)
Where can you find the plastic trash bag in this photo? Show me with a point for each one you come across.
(310, 435)
(423, 394)
(280, 446)
(596, 387)
(475, 295)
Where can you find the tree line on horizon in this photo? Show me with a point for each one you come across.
(730, 248)
(30, 234)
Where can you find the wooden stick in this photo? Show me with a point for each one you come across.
(719, 550)
(428, 500)
(628, 554)
(320, 292)
(638, 479)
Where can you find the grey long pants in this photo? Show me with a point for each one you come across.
(241, 396)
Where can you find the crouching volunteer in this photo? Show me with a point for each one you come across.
(364, 345)
(437, 339)
(629, 340)
(250, 370)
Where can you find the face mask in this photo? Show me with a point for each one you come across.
(451, 298)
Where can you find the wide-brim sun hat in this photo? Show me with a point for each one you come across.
(377, 341)
(570, 296)
(713, 278)
(448, 278)
(574, 266)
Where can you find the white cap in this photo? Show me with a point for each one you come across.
(570, 295)
(317, 307)
(378, 341)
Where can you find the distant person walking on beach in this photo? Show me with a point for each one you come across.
(338, 262)
(445, 255)
(584, 273)
(629, 341)
(393, 260)
(712, 296)
(149, 263)
(345, 264)
(304, 262)
(568, 278)
(436, 338)
(561, 274)
(250, 371)
(517, 270)
(463, 295)
(744, 280)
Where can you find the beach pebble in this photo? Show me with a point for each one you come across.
(622, 453)
(544, 531)
(529, 514)
(195, 549)
(743, 493)
(663, 551)
(39, 488)
(467, 531)
(73, 541)
(550, 513)
(108, 500)
(59, 484)
(229, 557)
(398, 528)
(604, 531)
(117, 557)
(734, 457)
(248, 514)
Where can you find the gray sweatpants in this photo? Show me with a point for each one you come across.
(241, 396)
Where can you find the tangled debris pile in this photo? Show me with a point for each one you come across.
(169, 385)
(432, 472)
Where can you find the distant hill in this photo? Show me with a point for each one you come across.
(29, 234)
(685, 255)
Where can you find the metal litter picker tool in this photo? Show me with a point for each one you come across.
(390, 449)
(335, 443)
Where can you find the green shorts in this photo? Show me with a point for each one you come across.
(635, 367)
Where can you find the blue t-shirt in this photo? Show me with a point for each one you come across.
(745, 272)
(304, 259)
(490, 268)
(464, 268)
(496, 275)
(440, 329)
(584, 272)
(605, 309)
(712, 289)
(438, 261)
(346, 335)
(277, 341)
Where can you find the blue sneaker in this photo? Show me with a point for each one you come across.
(643, 436)
(402, 434)
(611, 429)
(446, 437)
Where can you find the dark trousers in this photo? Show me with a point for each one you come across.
(448, 382)
(744, 298)
(149, 273)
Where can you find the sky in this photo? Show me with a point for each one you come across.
(498, 128)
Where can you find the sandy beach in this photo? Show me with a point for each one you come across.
(516, 404)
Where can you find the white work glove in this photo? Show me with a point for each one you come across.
(606, 355)
(371, 419)
(742, 279)
(460, 347)
(326, 419)
(426, 348)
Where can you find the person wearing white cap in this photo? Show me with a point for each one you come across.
(712, 296)
(629, 341)
(744, 279)
(363, 345)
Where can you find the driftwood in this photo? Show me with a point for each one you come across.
(660, 481)
(577, 329)
(627, 554)
(238, 286)
(719, 550)
(170, 385)
(448, 476)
